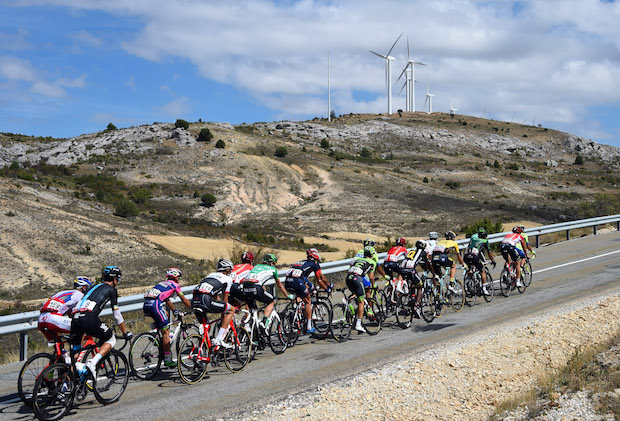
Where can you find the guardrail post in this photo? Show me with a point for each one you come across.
(618, 226)
(567, 235)
(537, 241)
(23, 346)
(594, 229)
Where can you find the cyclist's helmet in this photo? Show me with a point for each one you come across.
(367, 252)
(371, 249)
(313, 254)
(450, 235)
(433, 235)
(247, 257)
(482, 233)
(515, 229)
(110, 273)
(224, 265)
(521, 227)
(420, 244)
(173, 274)
(270, 259)
(401, 241)
(369, 242)
(81, 281)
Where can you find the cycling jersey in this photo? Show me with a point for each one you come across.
(213, 284)
(240, 272)
(86, 314)
(303, 269)
(395, 254)
(448, 247)
(375, 256)
(361, 266)
(261, 274)
(513, 239)
(61, 302)
(430, 246)
(520, 247)
(163, 291)
(96, 298)
(477, 245)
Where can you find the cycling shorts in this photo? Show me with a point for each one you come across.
(412, 276)
(474, 260)
(302, 287)
(253, 292)
(521, 252)
(88, 324)
(442, 259)
(355, 284)
(509, 250)
(53, 325)
(236, 293)
(154, 308)
(392, 269)
(366, 282)
(206, 303)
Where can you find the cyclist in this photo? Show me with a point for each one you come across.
(474, 255)
(442, 256)
(54, 315)
(252, 286)
(430, 246)
(206, 298)
(297, 281)
(370, 245)
(238, 274)
(527, 245)
(361, 267)
(391, 264)
(86, 316)
(408, 272)
(509, 251)
(153, 306)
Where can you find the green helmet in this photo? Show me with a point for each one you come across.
(482, 233)
(270, 259)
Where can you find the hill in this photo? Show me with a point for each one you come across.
(71, 206)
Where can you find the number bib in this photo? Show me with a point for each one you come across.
(294, 273)
(356, 270)
(51, 306)
(408, 264)
(205, 288)
(153, 293)
(87, 306)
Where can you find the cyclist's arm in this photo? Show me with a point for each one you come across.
(321, 279)
(169, 304)
(281, 287)
(524, 248)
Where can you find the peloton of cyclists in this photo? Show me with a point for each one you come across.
(474, 255)
(252, 286)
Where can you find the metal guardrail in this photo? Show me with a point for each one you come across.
(24, 322)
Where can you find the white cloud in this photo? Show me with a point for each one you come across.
(176, 108)
(86, 37)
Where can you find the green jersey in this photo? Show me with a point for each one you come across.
(525, 240)
(261, 273)
(375, 256)
(362, 265)
(479, 244)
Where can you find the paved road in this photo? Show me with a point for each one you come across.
(311, 363)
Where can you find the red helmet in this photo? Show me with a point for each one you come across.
(401, 241)
(173, 273)
(247, 257)
(313, 254)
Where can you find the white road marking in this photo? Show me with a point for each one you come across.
(576, 261)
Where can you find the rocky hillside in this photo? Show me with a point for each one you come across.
(72, 205)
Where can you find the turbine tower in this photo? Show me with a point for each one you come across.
(409, 70)
(388, 72)
(429, 98)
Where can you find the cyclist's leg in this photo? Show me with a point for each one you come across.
(156, 310)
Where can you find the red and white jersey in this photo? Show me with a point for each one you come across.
(62, 302)
(240, 272)
(513, 239)
(395, 254)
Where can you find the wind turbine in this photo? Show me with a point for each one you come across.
(409, 69)
(388, 72)
(429, 98)
(453, 110)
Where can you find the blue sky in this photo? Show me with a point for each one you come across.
(68, 68)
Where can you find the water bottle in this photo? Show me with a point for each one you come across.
(65, 356)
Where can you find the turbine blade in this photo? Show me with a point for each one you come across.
(402, 73)
(380, 55)
(401, 89)
(408, 51)
(394, 43)
(421, 64)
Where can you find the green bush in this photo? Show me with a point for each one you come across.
(125, 208)
(111, 127)
(602, 205)
(324, 143)
(490, 226)
(579, 160)
(281, 151)
(140, 195)
(25, 175)
(14, 165)
(205, 135)
(513, 166)
(365, 153)
(208, 200)
(453, 184)
(425, 180)
(220, 144)
(496, 164)
(181, 124)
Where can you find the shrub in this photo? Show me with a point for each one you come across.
(14, 165)
(453, 184)
(111, 127)
(125, 208)
(220, 144)
(496, 164)
(181, 124)
(490, 226)
(205, 135)
(425, 180)
(25, 175)
(366, 153)
(207, 200)
(579, 160)
(513, 166)
(281, 151)
(324, 143)
(140, 195)
(603, 204)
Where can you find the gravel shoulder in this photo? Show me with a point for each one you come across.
(465, 380)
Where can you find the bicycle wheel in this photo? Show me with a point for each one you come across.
(521, 288)
(490, 289)
(341, 323)
(469, 283)
(526, 270)
(373, 317)
(112, 377)
(187, 330)
(278, 340)
(145, 356)
(505, 283)
(436, 297)
(29, 374)
(404, 311)
(457, 295)
(193, 359)
(52, 394)
(321, 319)
(291, 326)
(427, 305)
(238, 356)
